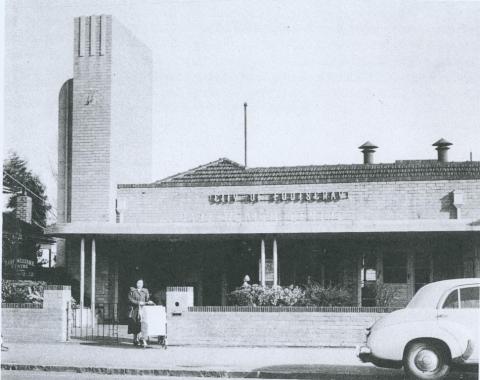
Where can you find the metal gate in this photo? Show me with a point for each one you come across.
(81, 324)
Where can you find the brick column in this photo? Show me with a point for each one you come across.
(23, 208)
(56, 301)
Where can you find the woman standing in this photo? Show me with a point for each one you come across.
(137, 298)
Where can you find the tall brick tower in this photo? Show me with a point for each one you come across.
(105, 127)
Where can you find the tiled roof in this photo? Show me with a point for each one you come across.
(225, 172)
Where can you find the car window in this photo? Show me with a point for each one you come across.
(452, 300)
(470, 298)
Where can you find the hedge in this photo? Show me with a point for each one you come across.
(23, 291)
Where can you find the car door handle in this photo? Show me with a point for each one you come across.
(442, 316)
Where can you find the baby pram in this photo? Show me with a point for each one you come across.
(154, 323)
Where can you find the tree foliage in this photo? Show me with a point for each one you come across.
(15, 171)
(20, 241)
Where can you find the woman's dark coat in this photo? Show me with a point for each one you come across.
(135, 296)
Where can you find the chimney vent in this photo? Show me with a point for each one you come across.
(368, 149)
(23, 209)
(442, 147)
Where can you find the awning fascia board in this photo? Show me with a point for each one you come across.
(331, 226)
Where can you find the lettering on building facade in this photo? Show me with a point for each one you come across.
(279, 197)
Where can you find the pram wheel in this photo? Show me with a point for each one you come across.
(162, 340)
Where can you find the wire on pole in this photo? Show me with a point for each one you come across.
(30, 191)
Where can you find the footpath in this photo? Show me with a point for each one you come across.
(185, 361)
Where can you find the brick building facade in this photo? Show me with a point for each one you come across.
(105, 128)
(400, 224)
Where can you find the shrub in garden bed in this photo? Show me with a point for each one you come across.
(23, 291)
(257, 295)
(318, 295)
(385, 295)
(312, 294)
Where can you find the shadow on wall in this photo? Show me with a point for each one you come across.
(447, 205)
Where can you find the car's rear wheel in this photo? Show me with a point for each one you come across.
(426, 360)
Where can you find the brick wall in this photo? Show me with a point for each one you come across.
(111, 117)
(91, 134)
(28, 323)
(131, 107)
(269, 328)
(65, 99)
(366, 201)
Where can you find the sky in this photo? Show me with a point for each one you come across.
(320, 79)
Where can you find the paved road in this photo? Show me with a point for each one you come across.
(247, 362)
(333, 375)
(33, 375)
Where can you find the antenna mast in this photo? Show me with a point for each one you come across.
(245, 130)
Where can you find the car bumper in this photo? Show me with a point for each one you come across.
(469, 351)
(364, 353)
(464, 358)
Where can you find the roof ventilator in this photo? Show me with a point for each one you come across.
(442, 147)
(368, 149)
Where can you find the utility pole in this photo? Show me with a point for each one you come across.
(245, 130)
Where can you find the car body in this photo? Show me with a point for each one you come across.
(439, 327)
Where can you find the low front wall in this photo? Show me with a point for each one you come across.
(247, 328)
(34, 323)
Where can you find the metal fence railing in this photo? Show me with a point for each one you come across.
(289, 309)
(102, 326)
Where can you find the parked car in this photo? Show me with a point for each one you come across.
(438, 328)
